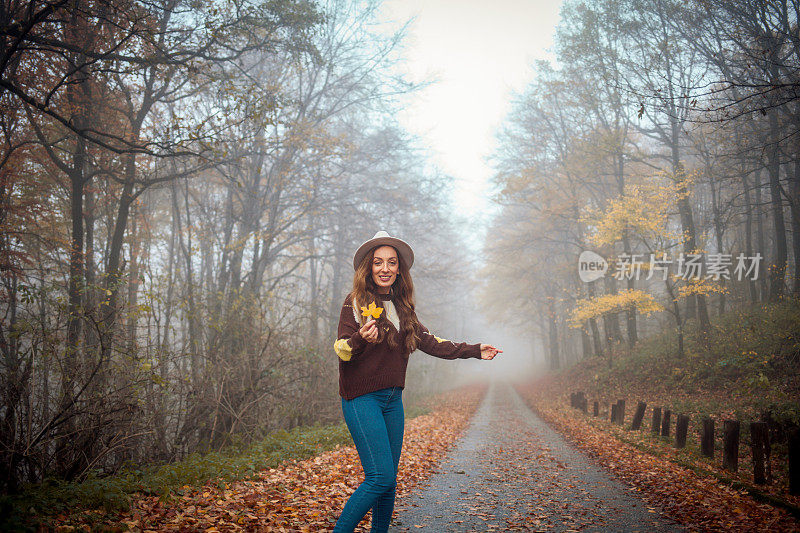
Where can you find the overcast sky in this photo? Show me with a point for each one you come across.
(479, 51)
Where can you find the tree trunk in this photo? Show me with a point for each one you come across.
(748, 231)
(65, 452)
(777, 270)
(761, 246)
(134, 245)
(313, 289)
(794, 188)
(718, 230)
(676, 311)
(695, 305)
(193, 330)
(338, 289)
(76, 263)
(611, 320)
(586, 343)
(630, 314)
(114, 265)
(552, 333)
(596, 339)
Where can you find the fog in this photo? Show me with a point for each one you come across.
(183, 188)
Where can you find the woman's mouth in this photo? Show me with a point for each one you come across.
(384, 278)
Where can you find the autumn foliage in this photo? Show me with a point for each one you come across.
(304, 495)
(694, 492)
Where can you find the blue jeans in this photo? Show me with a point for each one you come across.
(376, 422)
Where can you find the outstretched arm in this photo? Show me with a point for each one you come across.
(488, 352)
(446, 349)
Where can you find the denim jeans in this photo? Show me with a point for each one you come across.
(376, 422)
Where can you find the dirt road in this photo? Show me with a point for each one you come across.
(510, 471)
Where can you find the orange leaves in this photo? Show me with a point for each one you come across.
(304, 496)
(669, 480)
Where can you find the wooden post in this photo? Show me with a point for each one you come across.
(620, 412)
(584, 405)
(596, 408)
(665, 423)
(638, 416)
(572, 399)
(794, 461)
(656, 420)
(759, 441)
(681, 429)
(774, 430)
(772, 426)
(707, 438)
(579, 399)
(730, 445)
(614, 411)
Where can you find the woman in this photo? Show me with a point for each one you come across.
(378, 330)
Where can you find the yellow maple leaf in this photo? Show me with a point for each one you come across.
(371, 311)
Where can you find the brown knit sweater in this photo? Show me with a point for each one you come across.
(366, 367)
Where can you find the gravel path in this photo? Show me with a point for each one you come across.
(510, 471)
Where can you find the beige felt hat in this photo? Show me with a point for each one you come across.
(384, 239)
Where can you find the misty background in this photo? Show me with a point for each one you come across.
(183, 185)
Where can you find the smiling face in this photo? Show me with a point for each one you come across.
(385, 266)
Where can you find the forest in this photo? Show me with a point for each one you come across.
(665, 140)
(182, 185)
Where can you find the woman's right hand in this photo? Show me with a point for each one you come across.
(369, 331)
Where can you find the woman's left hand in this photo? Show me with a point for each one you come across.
(488, 352)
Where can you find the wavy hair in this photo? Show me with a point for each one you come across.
(365, 291)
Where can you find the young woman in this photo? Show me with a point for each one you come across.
(378, 330)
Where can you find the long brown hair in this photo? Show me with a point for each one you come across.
(365, 291)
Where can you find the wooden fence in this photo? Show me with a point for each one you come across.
(661, 424)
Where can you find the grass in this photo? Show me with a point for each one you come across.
(27, 510)
(746, 365)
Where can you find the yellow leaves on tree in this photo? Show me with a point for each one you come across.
(613, 303)
(644, 210)
(702, 287)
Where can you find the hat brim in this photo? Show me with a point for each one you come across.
(402, 247)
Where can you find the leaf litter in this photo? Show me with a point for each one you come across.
(697, 501)
(297, 496)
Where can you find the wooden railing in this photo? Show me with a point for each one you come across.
(760, 445)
